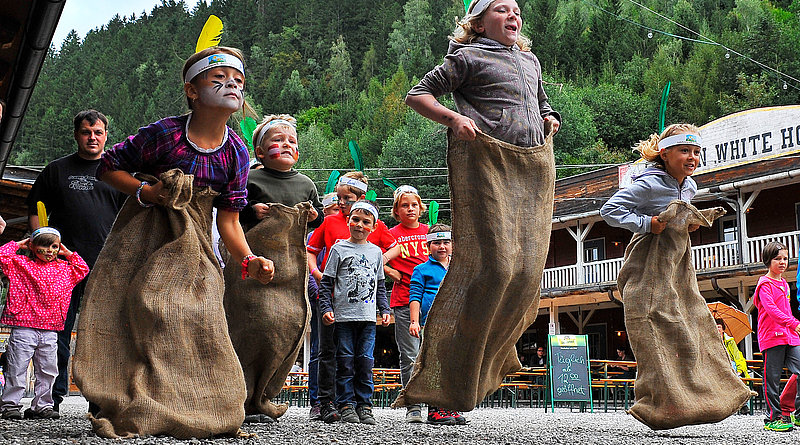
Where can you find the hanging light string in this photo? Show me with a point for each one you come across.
(711, 41)
(705, 41)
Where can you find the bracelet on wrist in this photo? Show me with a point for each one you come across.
(139, 195)
(316, 269)
(245, 263)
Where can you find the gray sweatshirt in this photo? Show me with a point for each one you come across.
(633, 207)
(498, 87)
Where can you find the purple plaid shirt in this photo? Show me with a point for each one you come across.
(162, 146)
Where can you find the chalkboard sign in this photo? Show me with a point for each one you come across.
(568, 365)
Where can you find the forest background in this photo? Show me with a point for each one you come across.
(343, 69)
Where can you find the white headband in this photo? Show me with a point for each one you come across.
(270, 124)
(365, 206)
(680, 139)
(437, 236)
(43, 230)
(344, 180)
(329, 200)
(404, 189)
(477, 7)
(213, 61)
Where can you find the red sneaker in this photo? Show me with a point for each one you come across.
(460, 420)
(438, 416)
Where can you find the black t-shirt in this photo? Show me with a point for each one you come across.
(79, 205)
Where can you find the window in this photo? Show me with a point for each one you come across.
(728, 233)
(594, 250)
(797, 214)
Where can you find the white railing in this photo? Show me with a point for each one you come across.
(706, 256)
(560, 277)
(755, 244)
(601, 271)
(710, 256)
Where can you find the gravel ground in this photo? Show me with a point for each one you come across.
(487, 425)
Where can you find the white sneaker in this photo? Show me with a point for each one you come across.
(414, 414)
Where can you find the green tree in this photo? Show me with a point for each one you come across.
(409, 41)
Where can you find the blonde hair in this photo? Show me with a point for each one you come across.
(396, 203)
(648, 148)
(358, 176)
(205, 53)
(270, 118)
(465, 31)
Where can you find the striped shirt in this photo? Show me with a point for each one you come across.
(163, 146)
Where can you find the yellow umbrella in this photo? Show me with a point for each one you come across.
(736, 323)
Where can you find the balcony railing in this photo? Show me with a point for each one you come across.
(706, 256)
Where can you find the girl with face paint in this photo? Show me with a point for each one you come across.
(36, 317)
(198, 143)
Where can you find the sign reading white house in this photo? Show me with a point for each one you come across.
(749, 136)
(740, 138)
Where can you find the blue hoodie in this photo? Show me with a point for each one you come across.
(649, 194)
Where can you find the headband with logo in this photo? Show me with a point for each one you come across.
(330, 200)
(404, 189)
(680, 139)
(438, 236)
(273, 123)
(365, 206)
(213, 61)
(344, 180)
(42, 230)
(478, 6)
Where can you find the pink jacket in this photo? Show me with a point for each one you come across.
(776, 324)
(40, 292)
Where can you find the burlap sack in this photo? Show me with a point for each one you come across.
(153, 349)
(684, 374)
(502, 207)
(267, 323)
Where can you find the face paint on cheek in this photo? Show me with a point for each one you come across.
(46, 254)
(274, 151)
(216, 96)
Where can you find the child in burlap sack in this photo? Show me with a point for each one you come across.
(157, 368)
(664, 310)
(499, 154)
(777, 334)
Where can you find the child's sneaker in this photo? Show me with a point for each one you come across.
(438, 416)
(328, 412)
(315, 413)
(365, 415)
(460, 420)
(45, 413)
(11, 414)
(349, 414)
(414, 414)
(795, 419)
(778, 425)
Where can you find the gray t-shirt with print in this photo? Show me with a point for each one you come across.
(356, 269)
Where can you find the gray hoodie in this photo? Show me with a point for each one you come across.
(498, 87)
(633, 207)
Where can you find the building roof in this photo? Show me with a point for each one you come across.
(26, 30)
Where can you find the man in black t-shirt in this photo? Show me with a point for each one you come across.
(83, 209)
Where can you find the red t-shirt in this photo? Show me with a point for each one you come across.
(334, 229)
(413, 251)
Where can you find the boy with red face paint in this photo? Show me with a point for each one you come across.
(36, 317)
(275, 141)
